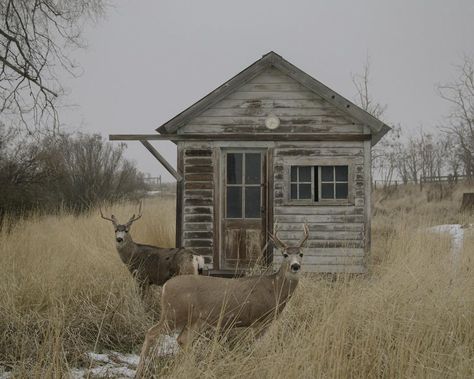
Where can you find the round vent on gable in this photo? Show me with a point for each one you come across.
(272, 122)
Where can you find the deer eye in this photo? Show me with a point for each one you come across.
(285, 255)
(126, 231)
(301, 255)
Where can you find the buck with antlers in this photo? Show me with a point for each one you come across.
(152, 264)
(194, 303)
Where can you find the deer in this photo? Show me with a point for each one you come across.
(152, 265)
(192, 304)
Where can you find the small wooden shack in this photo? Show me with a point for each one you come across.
(270, 149)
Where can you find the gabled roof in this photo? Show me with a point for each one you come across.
(378, 128)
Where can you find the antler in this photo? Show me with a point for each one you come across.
(133, 218)
(106, 218)
(305, 236)
(277, 241)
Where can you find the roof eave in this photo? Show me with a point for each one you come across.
(377, 127)
(377, 136)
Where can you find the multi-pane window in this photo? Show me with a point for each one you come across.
(243, 185)
(301, 182)
(318, 183)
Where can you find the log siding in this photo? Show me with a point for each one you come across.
(198, 200)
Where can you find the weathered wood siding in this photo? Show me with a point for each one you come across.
(338, 232)
(198, 200)
(299, 110)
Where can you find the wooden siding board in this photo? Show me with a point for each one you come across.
(197, 227)
(337, 252)
(274, 104)
(198, 210)
(337, 231)
(328, 260)
(319, 210)
(310, 126)
(270, 95)
(322, 227)
(283, 112)
(198, 161)
(198, 201)
(245, 110)
(340, 235)
(188, 186)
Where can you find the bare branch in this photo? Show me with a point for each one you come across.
(36, 39)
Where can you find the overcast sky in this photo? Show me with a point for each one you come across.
(148, 59)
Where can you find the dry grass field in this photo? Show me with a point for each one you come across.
(64, 292)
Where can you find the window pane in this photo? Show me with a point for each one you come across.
(252, 202)
(294, 191)
(234, 168)
(252, 168)
(305, 174)
(341, 190)
(327, 174)
(234, 202)
(327, 191)
(293, 173)
(305, 191)
(341, 174)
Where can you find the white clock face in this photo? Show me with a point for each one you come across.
(272, 122)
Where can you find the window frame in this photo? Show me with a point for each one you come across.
(298, 182)
(334, 182)
(242, 185)
(320, 162)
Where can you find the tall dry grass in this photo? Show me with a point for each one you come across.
(64, 291)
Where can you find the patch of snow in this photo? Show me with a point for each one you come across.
(98, 357)
(168, 345)
(4, 374)
(129, 359)
(77, 373)
(457, 238)
(117, 365)
(152, 193)
(111, 370)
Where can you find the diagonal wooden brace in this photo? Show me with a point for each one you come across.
(162, 160)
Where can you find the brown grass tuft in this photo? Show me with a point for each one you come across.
(64, 291)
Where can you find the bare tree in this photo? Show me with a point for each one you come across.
(36, 37)
(364, 98)
(385, 153)
(460, 121)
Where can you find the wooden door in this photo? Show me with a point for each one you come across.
(244, 199)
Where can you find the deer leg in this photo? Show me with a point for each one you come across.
(150, 342)
(186, 337)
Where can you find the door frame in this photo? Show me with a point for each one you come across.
(265, 192)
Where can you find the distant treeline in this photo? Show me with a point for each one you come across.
(67, 171)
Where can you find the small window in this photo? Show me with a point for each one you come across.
(334, 182)
(318, 183)
(301, 182)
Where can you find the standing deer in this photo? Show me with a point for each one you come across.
(152, 264)
(194, 303)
